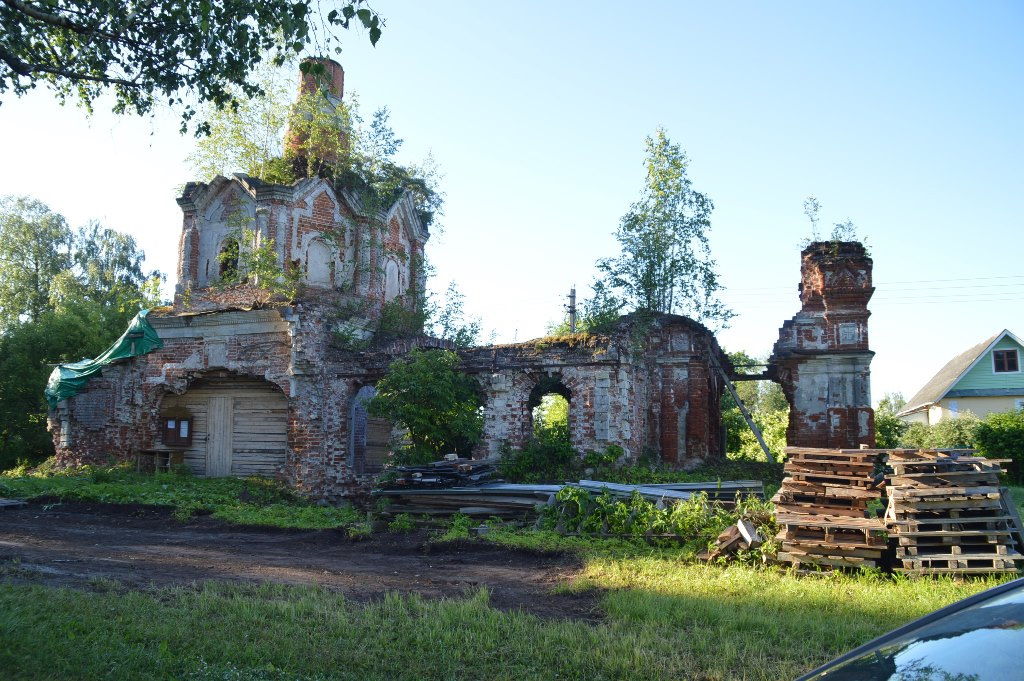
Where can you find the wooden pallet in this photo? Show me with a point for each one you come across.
(948, 515)
(975, 563)
(822, 509)
(798, 558)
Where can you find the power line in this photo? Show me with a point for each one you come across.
(889, 283)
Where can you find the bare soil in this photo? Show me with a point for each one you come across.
(143, 547)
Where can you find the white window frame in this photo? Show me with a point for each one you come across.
(1013, 350)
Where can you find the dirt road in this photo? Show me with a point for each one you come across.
(73, 544)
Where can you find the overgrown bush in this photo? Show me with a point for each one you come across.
(1001, 435)
(773, 426)
(693, 524)
(955, 433)
(437, 404)
(547, 457)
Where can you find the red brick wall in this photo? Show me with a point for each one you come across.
(822, 358)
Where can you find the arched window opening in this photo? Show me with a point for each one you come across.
(549, 410)
(228, 257)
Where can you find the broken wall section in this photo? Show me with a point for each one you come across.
(822, 359)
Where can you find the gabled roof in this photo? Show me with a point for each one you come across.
(949, 375)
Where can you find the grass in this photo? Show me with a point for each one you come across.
(662, 620)
(248, 501)
(661, 616)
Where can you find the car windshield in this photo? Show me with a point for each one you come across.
(983, 642)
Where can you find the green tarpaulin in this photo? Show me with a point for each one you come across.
(67, 379)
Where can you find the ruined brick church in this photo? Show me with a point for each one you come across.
(241, 386)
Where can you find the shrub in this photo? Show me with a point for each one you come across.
(1001, 435)
(548, 456)
(773, 426)
(693, 524)
(402, 523)
(889, 430)
(946, 434)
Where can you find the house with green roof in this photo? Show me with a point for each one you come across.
(985, 379)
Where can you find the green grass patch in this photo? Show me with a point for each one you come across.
(664, 620)
(241, 501)
(1017, 493)
(289, 516)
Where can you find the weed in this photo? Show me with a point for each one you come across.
(359, 531)
(403, 523)
(249, 501)
(458, 528)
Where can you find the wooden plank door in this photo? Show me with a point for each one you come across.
(218, 437)
(378, 445)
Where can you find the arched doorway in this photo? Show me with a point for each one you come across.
(239, 426)
(369, 436)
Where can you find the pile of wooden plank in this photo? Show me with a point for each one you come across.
(742, 535)
(823, 511)
(451, 472)
(723, 491)
(494, 499)
(427, 490)
(949, 515)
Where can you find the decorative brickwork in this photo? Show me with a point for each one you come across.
(236, 360)
(822, 358)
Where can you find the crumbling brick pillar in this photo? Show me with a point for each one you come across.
(821, 359)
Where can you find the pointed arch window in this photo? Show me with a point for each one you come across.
(228, 257)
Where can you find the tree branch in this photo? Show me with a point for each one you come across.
(25, 69)
(46, 17)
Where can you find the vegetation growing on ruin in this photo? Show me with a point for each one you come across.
(766, 404)
(327, 138)
(250, 263)
(665, 264)
(438, 405)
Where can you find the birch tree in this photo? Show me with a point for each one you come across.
(666, 264)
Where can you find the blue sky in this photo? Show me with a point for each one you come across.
(903, 117)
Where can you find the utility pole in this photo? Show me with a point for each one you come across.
(572, 309)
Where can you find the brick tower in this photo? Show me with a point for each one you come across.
(822, 358)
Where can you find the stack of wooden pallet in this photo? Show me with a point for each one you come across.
(949, 515)
(822, 509)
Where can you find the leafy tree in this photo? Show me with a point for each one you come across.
(889, 429)
(161, 50)
(449, 321)
(35, 246)
(77, 296)
(437, 404)
(326, 137)
(767, 405)
(665, 264)
(249, 136)
(552, 413)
